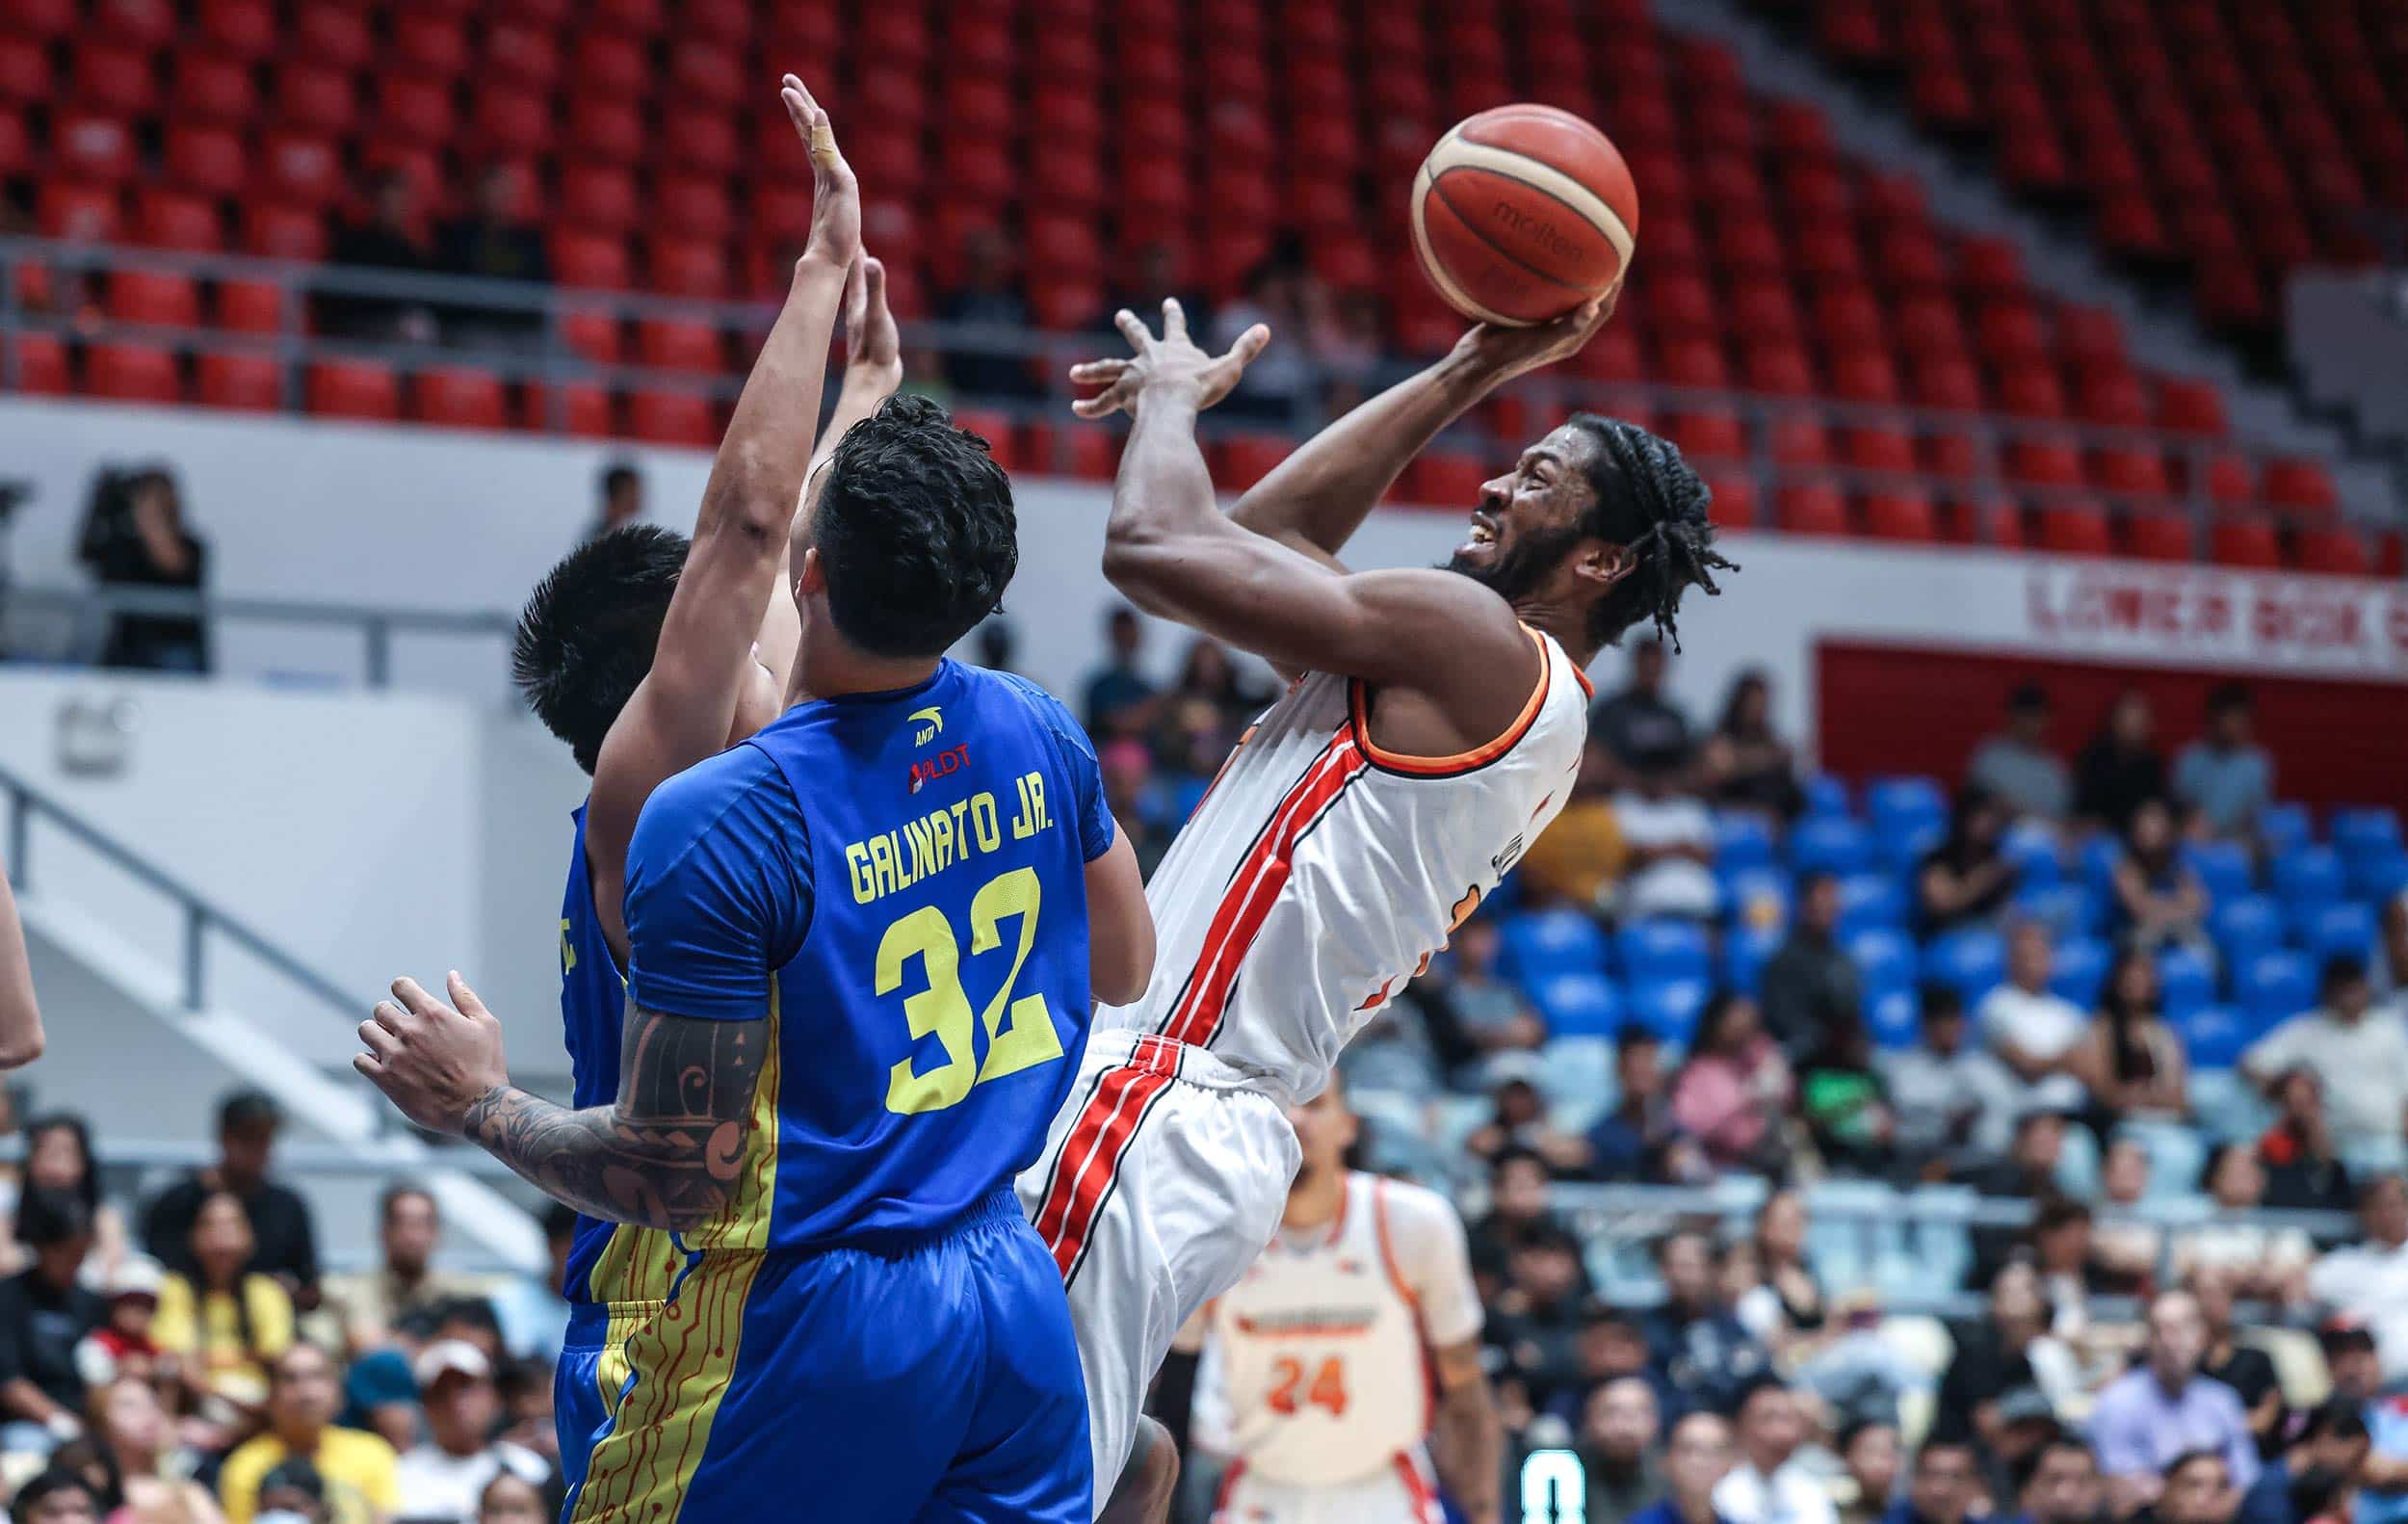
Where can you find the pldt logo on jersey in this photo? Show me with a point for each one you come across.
(935, 727)
(930, 768)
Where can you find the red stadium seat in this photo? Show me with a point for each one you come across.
(458, 397)
(1446, 479)
(84, 213)
(137, 23)
(251, 381)
(162, 300)
(1812, 509)
(93, 145)
(353, 389)
(2075, 531)
(204, 157)
(301, 169)
(2190, 407)
(2129, 471)
(1900, 515)
(2294, 483)
(601, 197)
(114, 77)
(41, 19)
(589, 259)
(413, 109)
(166, 218)
(2159, 536)
(2335, 552)
(679, 346)
(315, 97)
(1246, 459)
(679, 418)
(515, 51)
(687, 267)
(1733, 502)
(429, 42)
(995, 427)
(1708, 435)
(249, 307)
(41, 363)
(132, 373)
(2245, 543)
(584, 411)
(283, 232)
(332, 32)
(610, 65)
(245, 28)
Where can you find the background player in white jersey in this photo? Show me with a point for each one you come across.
(1352, 1337)
(1433, 729)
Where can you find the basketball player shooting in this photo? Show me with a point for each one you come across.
(1433, 729)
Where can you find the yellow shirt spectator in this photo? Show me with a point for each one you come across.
(228, 1343)
(357, 1468)
(1577, 855)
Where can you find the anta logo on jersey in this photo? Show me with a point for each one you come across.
(928, 769)
(935, 727)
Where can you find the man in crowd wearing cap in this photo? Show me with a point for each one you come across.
(2331, 1443)
(440, 1481)
(304, 1391)
(2164, 1407)
(124, 1345)
(1768, 1486)
(286, 1243)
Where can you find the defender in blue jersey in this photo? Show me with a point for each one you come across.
(859, 977)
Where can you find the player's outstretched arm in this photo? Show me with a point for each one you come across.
(1171, 552)
(685, 707)
(20, 1019)
(666, 1154)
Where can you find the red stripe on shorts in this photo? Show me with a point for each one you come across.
(1090, 1156)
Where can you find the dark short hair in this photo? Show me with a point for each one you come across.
(618, 474)
(1940, 999)
(585, 638)
(2334, 1418)
(1753, 1387)
(2191, 1458)
(1932, 1447)
(2225, 698)
(241, 1111)
(915, 531)
(2028, 1466)
(474, 1311)
(559, 1219)
(49, 1215)
(297, 1472)
(54, 1479)
(1664, 1244)
(1651, 501)
(395, 1194)
(2341, 968)
(1516, 1153)
(1856, 1429)
(1633, 1034)
(2027, 699)
(2056, 1212)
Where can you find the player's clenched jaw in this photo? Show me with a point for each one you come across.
(1535, 521)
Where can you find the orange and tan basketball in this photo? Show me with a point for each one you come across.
(1522, 213)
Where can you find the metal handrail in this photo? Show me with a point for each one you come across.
(376, 626)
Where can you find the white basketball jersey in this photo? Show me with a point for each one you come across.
(1320, 873)
(1323, 1344)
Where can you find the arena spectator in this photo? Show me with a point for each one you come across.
(2120, 768)
(1638, 1141)
(1965, 881)
(2034, 1031)
(510, 1499)
(59, 1157)
(1278, 386)
(1734, 1092)
(1520, 1121)
(1517, 1207)
(2268, 1264)
(999, 645)
(357, 1468)
(1944, 1092)
(392, 241)
(226, 1325)
(2199, 1488)
(1842, 1103)
(987, 296)
(371, 1305)
(126, 1342)
(2016, 763)
(2027, 1170)
(2062, 1232)
(1744, 764)
(1207, 673)
(618, 493)
(1535, 1321)
(439, 1481)
(534, 1314)
(2331, 1442)
(2165, 1409)
(2304, 1169)
(1612, 1348)
(495, 242)
(1668, 847)
(2132, 1058)
(56, 1496)
(136, 536)
(2058, 1483)
(2125, 1248)
(2367, 1282)
(1770, 1485)
(1942, 1485)
(2225, 777)
(296, 1491)
(1869, 1452)
(1641, 726)
(45, 1311)
(1577, 858)
(2387, 964)
(2359, 1054)
(1623, 1470)
(2160, 901)
(286, 1245)
(1153, 272)
(1700, 1353)
(1696, 1463)
(1490, 1011)
(1118, 699)
(153, 1480)
(2243, 1367)
(2011, 1349)
(1810, 985)
(1786, 1286)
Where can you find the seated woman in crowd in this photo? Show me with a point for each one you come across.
(2132, 1061)
(2268, 1264)
(132, 1432)
(2158, 899)
(1965, 881)
(1744, 764)
(225, 1323)
(1734, 1091)
(2120, 769)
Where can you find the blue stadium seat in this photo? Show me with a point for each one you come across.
(2283, 826)
(2098, 858)
(1185, 796)
(1668, 1008)
(1505, 897)
(1755, 899)
(2223, 867)
(2380, 875)
(1576, 1004)
(1829, 844)
(1825, 795)
(1745, 949)
(1658, 949)
(2080, 967)
(1973, 960)
(2033, 847)
(2214, 1035)
(2309, 876)
(1540, 944)
(2186, 981)
(1870, 900)
(1894, 1016)
(1884, 958)
(1742, 840)
(1908, 815)
(2244, 927)
(2325, 931)
(2068, 909)
(2364, 830)
(2275, 986)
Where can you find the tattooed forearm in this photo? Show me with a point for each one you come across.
(668, 1153)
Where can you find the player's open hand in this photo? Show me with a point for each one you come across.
(434, 1059)
(835, 194)
(1517, 351)
(872, 347)
(1171, 361)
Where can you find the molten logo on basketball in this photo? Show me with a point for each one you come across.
(1531, 224)
(929, 769)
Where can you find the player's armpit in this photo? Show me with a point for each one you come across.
(1120, 925)
(668, 1154)
(1467, 1439)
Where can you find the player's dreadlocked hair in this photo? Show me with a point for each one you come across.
(1649, 500)
(587, 635)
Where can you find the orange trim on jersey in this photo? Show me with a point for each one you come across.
(1387, 1250)
(1359, 710)
(1229, 1487)
(1417, 1488)
(1246, 904)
